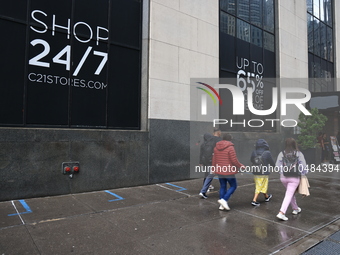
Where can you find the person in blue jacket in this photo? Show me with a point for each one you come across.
(262, 160)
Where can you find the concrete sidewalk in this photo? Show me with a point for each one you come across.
(171, 218)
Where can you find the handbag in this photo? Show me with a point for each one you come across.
(304, 186)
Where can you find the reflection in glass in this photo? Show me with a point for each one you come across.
(268, 13)
(320, 43)
(316, 8)
(329, 44)
(328, 12)
(227, 24)
(323, 40)
(256, 12)
(243, 30)
(228, 6)
(324, 75)
(322, 10)
(310, 6)
(317, 75)
(311, 72)
(322, 81)
(330, 81)
(268, 41)
(310, 32)
(243, 9)
(310, 65)
(321, 73)
(256, 36)
(316, 37)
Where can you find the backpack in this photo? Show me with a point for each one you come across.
(257, 161)
(207, 150)
(290, 164)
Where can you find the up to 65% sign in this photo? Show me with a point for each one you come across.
(245, 78)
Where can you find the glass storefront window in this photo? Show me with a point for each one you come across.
(310, 6)
(329, 44)
(320, 44)
(316, 8)
(330, 71)
(256, 12)
(322, 11)
(243, 30)
(256, 36)
(316, 37)
(328, 12)
(228, 6)
(268, 41)
(323, 40)
(268, 13)
(247, 20)
(248, 37)
(243, 9)
(227, 24)
(317, 75)
(310, 30)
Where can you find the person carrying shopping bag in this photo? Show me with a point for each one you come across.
(292, 165)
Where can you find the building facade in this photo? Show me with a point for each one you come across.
(107, 84)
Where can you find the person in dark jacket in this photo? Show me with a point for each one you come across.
(226, 165)
(262, 159)
(206, 154)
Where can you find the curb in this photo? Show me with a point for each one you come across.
(311, 240)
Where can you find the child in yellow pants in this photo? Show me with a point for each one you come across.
(261, 157)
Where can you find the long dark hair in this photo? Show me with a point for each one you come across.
(290, 145)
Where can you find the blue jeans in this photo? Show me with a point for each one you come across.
(206, 183)
(224, 192)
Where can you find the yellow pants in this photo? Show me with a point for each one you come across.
(261, 184)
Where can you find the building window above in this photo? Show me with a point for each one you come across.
(249, 20)
(247, 57)
(320, 45)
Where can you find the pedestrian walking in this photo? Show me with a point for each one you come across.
(226, 165)
(292, 165)
(206, 154)
(262, 160)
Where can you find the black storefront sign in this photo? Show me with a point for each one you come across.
(247, 65)
(71, 63)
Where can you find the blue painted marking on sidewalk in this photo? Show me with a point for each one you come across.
(25, 205)
(180, 188)
(115, 195)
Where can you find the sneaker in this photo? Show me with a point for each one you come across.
(268, 198)
(297, 211)
(221, 208)
(254, 203)
(211, 187)
(224, 204)
(281, 216)
(203, 195)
